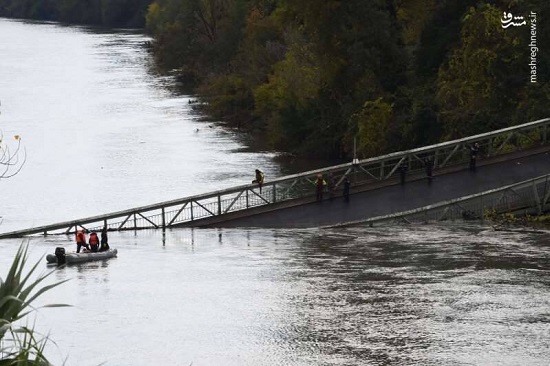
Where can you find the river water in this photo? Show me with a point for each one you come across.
(104, 132)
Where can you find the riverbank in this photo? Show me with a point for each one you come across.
(314, 87)
(509, 221)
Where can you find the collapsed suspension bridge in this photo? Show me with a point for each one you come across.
(512, 175)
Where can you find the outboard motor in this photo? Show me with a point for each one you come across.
(60, 254)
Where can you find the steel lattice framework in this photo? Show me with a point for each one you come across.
(528, 197)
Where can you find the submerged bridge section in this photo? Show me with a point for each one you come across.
(458, 195)
(513, 162)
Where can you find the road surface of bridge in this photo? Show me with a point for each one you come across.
(396, 198)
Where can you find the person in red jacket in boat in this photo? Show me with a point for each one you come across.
(81, 241)
(94, 242)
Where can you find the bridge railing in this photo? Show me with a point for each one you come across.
(528, 197)
(367, 171)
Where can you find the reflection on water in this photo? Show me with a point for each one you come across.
(429, 295)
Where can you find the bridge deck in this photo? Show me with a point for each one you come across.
(398, 198)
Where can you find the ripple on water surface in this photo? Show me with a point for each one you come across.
(430, 295)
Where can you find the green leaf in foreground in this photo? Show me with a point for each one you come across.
(21, 345)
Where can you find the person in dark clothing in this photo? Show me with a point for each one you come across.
(259, 179)
(320, 184)
(474, 151)
(403, 172)
(104, 245)
(347, 185)
(429, 164)
(94, 242)
(81, 241)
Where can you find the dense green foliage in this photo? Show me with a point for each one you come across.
(114, 13)
(315, 75)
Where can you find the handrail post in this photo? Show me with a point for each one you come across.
(163, 218)
(192, 218)
(219, 204)
(274, 193)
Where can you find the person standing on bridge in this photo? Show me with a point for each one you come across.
(320, 184)
(259, 179)
(429, 164)
(403, 172)
(81, 241)
(474, 151)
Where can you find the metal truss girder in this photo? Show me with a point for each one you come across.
(177, 214)
(260, 197)
(146, 219)
(397, 166)
(204, 208)
(233, 202)
(124, 222)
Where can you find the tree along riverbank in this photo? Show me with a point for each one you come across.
(313, 78)
(325, 79)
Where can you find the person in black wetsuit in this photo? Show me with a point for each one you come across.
(104, 245)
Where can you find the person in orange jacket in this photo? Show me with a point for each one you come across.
(320, 184)
(81, 240)
(94, 241)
